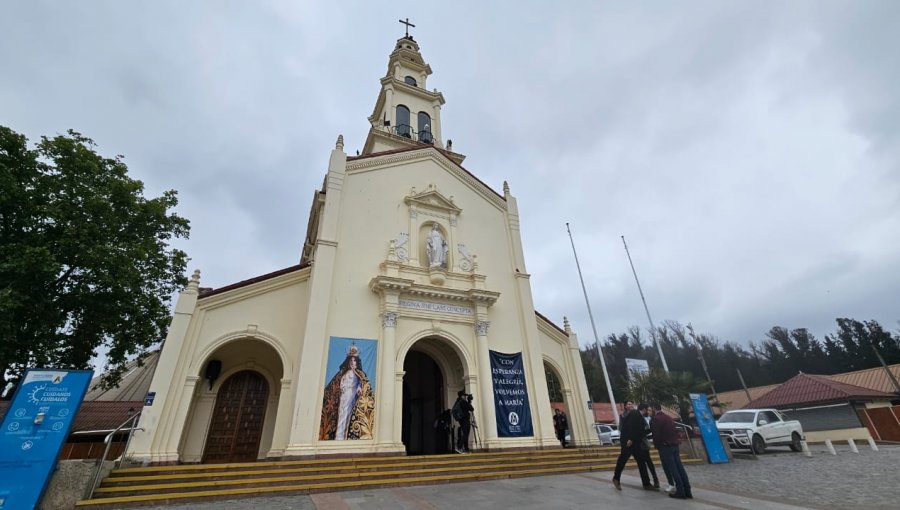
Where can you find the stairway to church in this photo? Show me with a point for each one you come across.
(196, 482)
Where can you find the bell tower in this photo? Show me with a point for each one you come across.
(406, 114)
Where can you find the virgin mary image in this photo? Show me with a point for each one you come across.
(348, 408)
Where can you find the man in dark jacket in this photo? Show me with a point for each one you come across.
(462, 413)
(561, 426)
(632, 431)
(665, 438)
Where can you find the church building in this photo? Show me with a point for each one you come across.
(411, 287)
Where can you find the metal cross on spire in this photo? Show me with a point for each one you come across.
(408, 24)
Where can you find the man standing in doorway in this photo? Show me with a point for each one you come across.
(561, 425)
(665, 439)
(462, 413)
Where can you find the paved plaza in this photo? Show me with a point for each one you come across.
(777, 481)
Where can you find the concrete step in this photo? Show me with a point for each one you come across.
(169, 484)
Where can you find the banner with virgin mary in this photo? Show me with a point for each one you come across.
(348, 404)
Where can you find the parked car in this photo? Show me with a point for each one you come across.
(607, 433)
(756, 429)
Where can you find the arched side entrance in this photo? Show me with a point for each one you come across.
(237, 421)
(433, 374)
(235, 404)
(558, 394)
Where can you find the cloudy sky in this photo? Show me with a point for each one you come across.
(748, 151)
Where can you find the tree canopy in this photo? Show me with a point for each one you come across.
(780, 355)
(85, 258)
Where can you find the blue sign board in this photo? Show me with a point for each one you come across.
(36, 425)
(708, 431)
(148, 400)
(510, 395)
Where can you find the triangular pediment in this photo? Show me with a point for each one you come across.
(431, 198)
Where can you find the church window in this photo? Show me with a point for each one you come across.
(410, 81)
(403, 126)
(425, 128)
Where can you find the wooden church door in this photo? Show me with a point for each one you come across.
(237, 421)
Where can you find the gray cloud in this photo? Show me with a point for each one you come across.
(748, 154)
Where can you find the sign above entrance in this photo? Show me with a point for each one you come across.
(430, 306)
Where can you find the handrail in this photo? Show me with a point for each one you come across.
(689, 436)
(108, 440)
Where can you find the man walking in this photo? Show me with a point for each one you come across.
(646, 412)
(561, 425)
(665, 439)
(632, 432)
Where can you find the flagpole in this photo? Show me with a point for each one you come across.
(612, 399)
(662, 356)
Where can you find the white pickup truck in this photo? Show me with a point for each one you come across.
(758, 428)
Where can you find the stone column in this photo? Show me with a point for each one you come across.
(389, 106)
(398, 409)
(488, 422)
(436, 126)
(171, 453)
(282, 420)
(386, 376)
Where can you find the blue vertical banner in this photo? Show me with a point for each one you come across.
(35, 427)
(510, 395)
(708, 431)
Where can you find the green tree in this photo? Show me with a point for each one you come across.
(85, 261)
(671, 389)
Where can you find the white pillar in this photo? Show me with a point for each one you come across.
(488, 423)
(398, 409)
(282, 420)
(386, 378)
(184, 405)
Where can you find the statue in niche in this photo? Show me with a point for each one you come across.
(436, 248)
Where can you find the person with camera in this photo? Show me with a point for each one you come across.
(462, 413)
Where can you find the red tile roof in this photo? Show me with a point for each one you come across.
(806, 389)
(206, 292)
(548, 321)
(97, 414)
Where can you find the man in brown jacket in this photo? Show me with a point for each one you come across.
(665, 438)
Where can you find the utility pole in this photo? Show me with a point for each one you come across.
(886, 369)
(662, 356)
(612, 399)
(712, 386)
(743, 384)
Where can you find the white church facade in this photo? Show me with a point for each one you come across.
(412, 285)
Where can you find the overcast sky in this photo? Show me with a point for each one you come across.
(748, 151)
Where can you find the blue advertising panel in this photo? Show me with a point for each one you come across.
(708, 430)
(510, 395)
(36, 425)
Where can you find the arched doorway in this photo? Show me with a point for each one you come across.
(556, 391)
(236, 426)
(423, 401)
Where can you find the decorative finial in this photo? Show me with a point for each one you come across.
(449, 145)
(505, 188)
(566, 325)
(340, 143)
(474, 263)
(194, 284)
